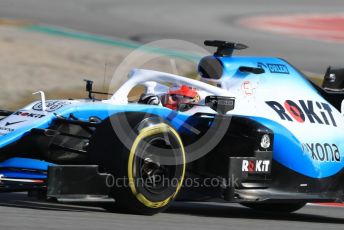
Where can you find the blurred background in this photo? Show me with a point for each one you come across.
(53, 45)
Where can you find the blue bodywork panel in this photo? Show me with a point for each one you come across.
(24, 168)
(287, 147)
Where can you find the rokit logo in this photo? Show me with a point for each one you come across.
(314, 112)
(256, 166)
(322, 152)
(25, 114)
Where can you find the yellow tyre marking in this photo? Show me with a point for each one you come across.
(146, 132)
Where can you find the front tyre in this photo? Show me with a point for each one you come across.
(148, 174)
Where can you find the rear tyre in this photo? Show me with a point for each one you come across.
(275, 207)
(145, 183)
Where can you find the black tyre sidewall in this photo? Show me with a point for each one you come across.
(108, 151)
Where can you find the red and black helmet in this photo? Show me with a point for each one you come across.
(182, 99)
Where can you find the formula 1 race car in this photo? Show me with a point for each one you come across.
(254, 131)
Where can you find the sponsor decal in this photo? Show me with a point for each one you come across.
(28, 114)
(6, 129)
(247, 88)
(51, 106)
(274, 68)
(278, 68)
(302, 111)
(256, 166)
(322, 152)
(13, 123)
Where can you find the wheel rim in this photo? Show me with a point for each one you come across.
(156, 177)
(156, 196)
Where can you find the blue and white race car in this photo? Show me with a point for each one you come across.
(254, 131)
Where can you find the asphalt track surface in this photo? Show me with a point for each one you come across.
(194, 21)
(19, 212)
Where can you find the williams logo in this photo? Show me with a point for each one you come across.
(51, 106)
(301, 111)
(26, 114)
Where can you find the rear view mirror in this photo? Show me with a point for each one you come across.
(334, 79)
(220, 104)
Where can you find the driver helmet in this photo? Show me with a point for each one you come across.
(183, 98)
